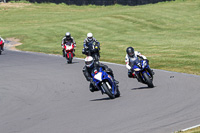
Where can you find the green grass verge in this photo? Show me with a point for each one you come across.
(195, 130)
(167, 33)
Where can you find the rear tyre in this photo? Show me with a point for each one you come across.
(0, 50)
(108, 91)
(148, 80)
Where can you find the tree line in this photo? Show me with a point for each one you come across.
(98, 2)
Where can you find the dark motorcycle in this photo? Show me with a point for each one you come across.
(143, 72)
(92, 49)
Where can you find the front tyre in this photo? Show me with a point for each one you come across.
(148, 80)
(107, 90)
(0, 50)
(69, 60)
(70, 57)
(118, 92)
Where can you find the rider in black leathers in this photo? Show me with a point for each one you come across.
(91, 47)
(67, 38)
(90, 67)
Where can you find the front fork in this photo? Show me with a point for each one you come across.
(113, 87)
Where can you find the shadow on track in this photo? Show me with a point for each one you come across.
(101, 99)
(140, 88)
(72, 63)
(106, 98)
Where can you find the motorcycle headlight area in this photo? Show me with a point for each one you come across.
(137, 69)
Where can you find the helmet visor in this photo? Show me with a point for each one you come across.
(68, 37)
(131, 54)
(89, 38)
(88, 62)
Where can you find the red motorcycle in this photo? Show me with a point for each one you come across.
(69, 49)
(1, 46)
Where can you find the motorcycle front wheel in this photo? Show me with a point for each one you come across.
(148, 80)
(118, 92)
(70, 58)
(107, 90)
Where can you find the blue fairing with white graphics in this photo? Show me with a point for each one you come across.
(100, 77)
(143, 72)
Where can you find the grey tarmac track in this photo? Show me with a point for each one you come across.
(41, 93)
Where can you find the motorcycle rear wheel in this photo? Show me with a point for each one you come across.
(108, 91)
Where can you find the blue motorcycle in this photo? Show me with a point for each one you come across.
(143, 72)
(105, 82)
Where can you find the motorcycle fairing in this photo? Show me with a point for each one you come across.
(101, 76)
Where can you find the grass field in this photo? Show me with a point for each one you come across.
(167, 33)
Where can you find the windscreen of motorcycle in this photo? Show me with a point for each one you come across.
(98, 76)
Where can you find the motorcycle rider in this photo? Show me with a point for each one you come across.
(87, 41)
(90, 67)
(1, 39)
(67, 38)
(131, 58)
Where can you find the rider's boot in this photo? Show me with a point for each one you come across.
(63, 52)
(133, 75)
(116, 82)
(152, 71)
(92, 88)
(74, 53)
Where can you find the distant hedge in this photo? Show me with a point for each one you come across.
(99, 2)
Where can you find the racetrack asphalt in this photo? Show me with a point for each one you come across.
(41, 93)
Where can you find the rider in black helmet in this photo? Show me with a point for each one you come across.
(130, 51)
(131, 57)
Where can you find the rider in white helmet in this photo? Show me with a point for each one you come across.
(90, 66)
(67, 38)
(89, 39)
(1, 39)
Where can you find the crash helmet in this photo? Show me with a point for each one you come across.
(68, 35)
(89, 36)
(89, 61)
(130, 51)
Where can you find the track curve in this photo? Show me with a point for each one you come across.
(41, 93)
